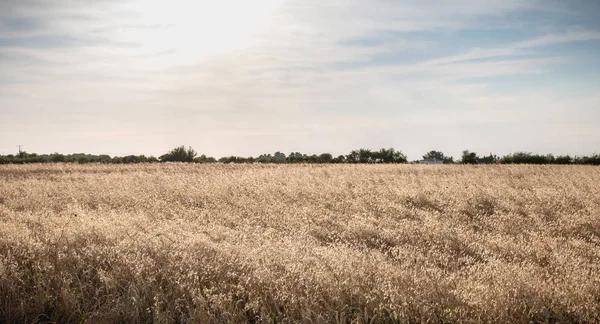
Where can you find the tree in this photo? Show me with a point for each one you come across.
(179, 154)
(134, 159)
(325, 158)
(104, 158)
(56, 157)
(381, 156)
(233, 159)
(527, 158)
(437, 155)
(264, 158)
(389, 156)
(353, 157)
(312, 158)
(278, 157)
(593, 160)
(563, 159)
(469, 157)
(434, 155)
(365, 156)
(339, 159)
(490, 159)
(205, 159)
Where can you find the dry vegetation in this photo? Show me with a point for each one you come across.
(303, 243)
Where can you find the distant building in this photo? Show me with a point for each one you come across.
(431, 161)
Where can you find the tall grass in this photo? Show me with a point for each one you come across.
(299, 243)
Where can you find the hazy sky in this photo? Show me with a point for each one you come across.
(248, 77)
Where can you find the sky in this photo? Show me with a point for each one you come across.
(237, 77)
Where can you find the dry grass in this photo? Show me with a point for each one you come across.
(303, 243)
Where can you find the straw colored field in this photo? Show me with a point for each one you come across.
(299, 243)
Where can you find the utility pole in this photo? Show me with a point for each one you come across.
(20, 151)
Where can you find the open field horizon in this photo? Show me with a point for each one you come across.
(215, 243)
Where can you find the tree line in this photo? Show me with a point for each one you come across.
(360, 156)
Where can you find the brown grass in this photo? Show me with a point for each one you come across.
(303, 243)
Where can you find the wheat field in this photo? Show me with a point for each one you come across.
(177, 243)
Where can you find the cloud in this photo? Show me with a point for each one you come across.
(311, 74)
(553, 39)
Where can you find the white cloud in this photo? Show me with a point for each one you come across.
(306, 75)
(553, 39)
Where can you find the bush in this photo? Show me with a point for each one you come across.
(56, 157)
(381, 156)
(179, 154)
(527, 158)
(437, 155)
(325, 158)
(593, 160)
(205, 159)
(469, 157)
(563, 159)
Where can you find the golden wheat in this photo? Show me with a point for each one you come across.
(299, 243)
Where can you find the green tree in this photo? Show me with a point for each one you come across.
(490, 159)
(438, 155)
(353, 157)
(527, 158)
(325, 158)
(265, 158)
(56, 157)
(278, 157)
(434, 155)
(593, 160)
(390, 156)
(365, 156)
(130, 159)
(340, 159)
(381, 156)
(563, 159)
(205, 159)
(469, 157)
(179, 154)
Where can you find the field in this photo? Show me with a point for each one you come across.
(299, 243)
